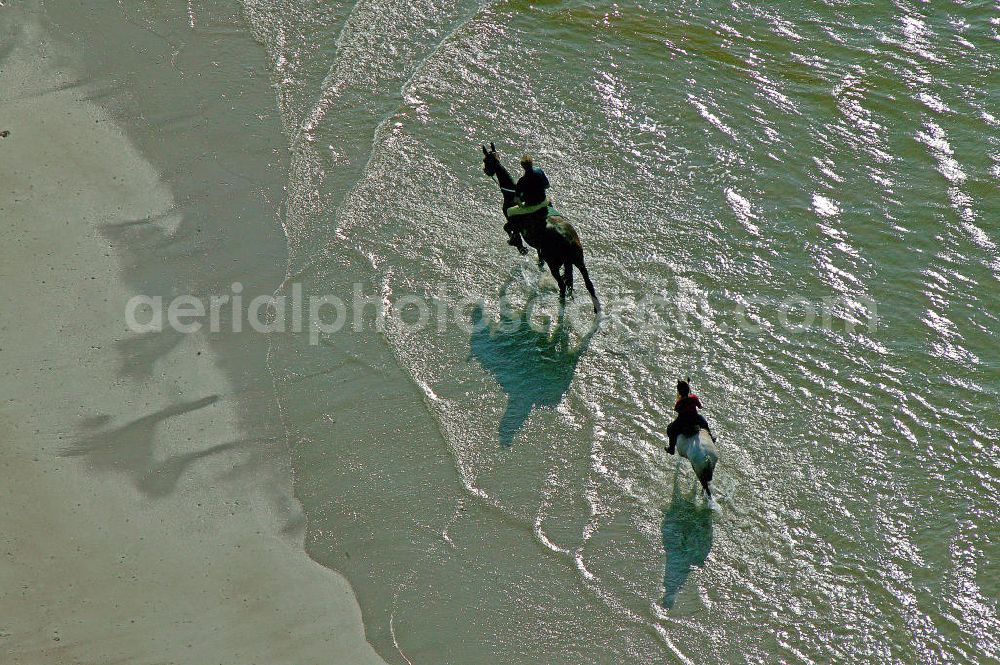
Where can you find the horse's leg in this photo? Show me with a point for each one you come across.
(568, 276)
(554, 269)
(514, 235)
(705, 476)
(590, 285)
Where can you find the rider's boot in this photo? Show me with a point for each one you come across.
(672, 437)
(515, 241)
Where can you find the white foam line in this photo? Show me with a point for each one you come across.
(662, 632)
(550, 481)
(582, 566)
(544, 540)
(395, 642)
(444, 532)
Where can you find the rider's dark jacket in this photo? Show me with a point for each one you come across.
(687, 415)
(531, 187)
(688, 405)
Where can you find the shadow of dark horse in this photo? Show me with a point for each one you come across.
(533, 366)
(130, 449)
(139, 353)
(687, 540)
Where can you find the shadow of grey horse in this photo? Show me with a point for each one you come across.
(533, 366)
(687, 540)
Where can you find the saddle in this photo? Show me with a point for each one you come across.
(531, 210)
(691, 429)
(547, 215)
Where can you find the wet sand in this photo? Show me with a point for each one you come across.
(146, 513)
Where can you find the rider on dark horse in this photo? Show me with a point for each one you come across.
(558, 244)
(531, 191)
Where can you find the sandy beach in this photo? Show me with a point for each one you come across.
(146, 513)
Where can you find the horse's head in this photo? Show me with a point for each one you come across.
(491, 163)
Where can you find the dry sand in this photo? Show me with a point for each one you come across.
(143, 519)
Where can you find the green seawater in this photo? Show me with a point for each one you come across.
(795, 204)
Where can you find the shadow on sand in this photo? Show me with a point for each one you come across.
(533, 366)
(687, 539)
(130, 449)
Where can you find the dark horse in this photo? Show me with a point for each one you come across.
(556, 240)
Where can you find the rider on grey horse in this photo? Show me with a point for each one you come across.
(688, 418)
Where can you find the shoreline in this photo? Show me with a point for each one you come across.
(148, 510)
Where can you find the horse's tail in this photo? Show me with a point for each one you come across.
(582, 267)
